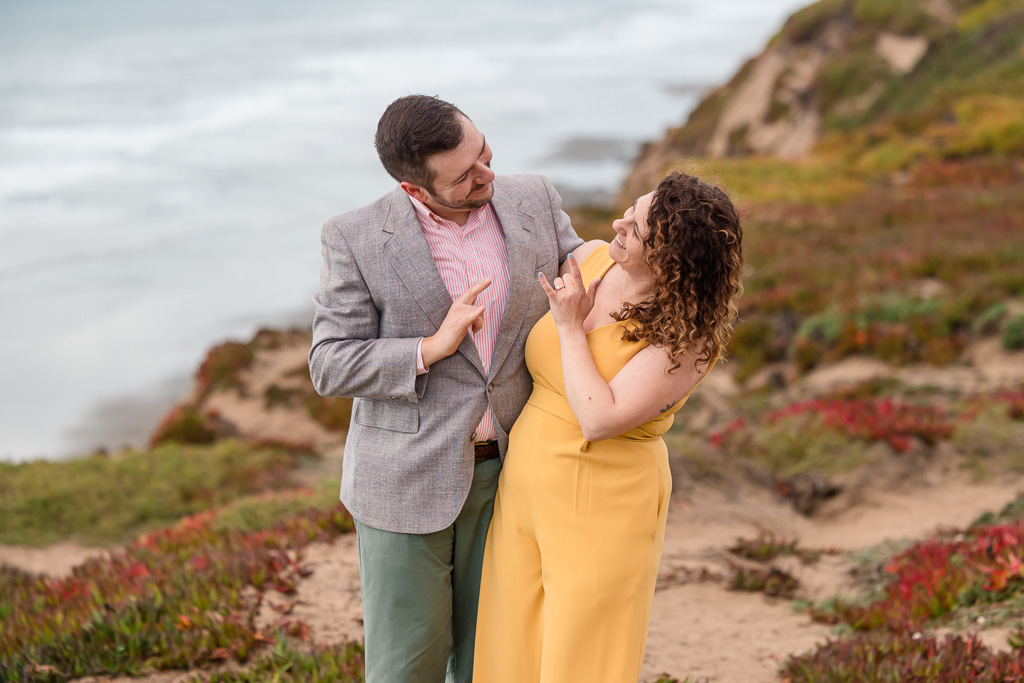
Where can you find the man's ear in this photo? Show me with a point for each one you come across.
(415, 191)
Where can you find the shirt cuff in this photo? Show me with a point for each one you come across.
(420, 368)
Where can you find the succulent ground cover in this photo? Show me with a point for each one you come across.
(177, 598)
(907, 274)
(927, 584)
(841, 262)
(906, 656)
(846, 429)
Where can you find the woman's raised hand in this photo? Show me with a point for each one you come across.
(570, 301)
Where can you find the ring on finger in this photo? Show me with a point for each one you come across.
(559, 286)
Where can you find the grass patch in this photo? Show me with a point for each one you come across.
(992, 437)
(806, 24)
(771, 581)
(289, 660)
(899, 16)
(811, 181)
(848, 75)
(262, 511)
(767, 546)
(102, 500)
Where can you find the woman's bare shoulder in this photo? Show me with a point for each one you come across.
(583, 252)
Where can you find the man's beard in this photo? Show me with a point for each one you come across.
(464, 204)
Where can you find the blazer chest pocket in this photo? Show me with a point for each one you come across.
(549, 268)
(393, 416)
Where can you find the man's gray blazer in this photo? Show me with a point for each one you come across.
(409, 457)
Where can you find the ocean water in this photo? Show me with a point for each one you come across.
(165, 167)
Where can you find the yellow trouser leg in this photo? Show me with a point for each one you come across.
(509, 621)
(602, 537)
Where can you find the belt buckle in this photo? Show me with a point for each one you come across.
(485, 450)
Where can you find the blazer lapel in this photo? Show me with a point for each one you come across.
(406, 248)
(521, 259)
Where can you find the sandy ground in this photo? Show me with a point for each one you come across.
(696, 624)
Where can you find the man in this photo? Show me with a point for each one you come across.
(426, 299)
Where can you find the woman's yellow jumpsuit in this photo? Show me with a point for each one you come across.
(572, 552)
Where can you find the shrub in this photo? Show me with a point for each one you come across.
(988, 322)
(808, 23)
(1013, 333)
(767, 546)
(184, 425)
(276, 396)
(332, 412)
(846, 76)
(222, 365)
(753, 344)
(898, 16)
(770, 581)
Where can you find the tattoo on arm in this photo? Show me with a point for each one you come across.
(668, 407)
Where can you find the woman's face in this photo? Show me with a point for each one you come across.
(627, 249)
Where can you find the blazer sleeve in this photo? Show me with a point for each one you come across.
(567, 238)
(347, 357)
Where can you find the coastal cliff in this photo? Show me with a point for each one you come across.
(916, 70)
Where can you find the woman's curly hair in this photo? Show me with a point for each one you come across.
(694, 251)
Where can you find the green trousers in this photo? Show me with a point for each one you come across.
(420, 592)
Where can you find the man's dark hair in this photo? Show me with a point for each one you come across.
(412, 129)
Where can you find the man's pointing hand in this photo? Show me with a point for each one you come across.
(462, 316)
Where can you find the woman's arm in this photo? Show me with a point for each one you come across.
(640, 391)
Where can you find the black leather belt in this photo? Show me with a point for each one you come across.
(485, 450)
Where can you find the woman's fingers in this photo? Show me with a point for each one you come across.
(574, 272)
(547, 287)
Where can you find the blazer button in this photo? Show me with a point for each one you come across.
(490, 387)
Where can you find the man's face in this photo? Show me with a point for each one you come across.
(462, 176)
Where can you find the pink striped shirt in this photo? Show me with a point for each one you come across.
(465, 255)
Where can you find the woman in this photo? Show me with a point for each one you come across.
(579, 520)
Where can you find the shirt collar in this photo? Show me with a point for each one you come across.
(424, 211)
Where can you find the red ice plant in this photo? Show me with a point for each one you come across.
(931, 577)
(870, 419)
(175, 598)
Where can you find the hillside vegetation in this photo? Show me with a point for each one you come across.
(894, 228)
